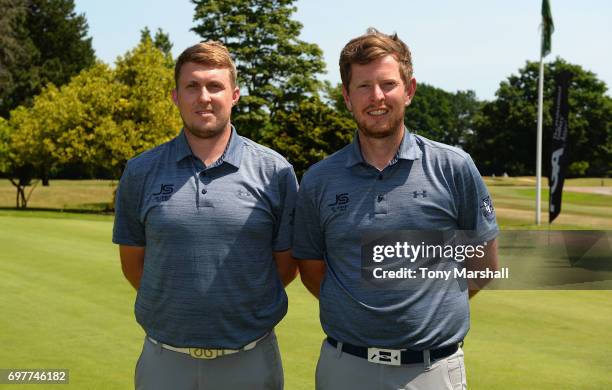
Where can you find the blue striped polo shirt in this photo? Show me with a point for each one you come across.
(428, 186)
(209, 278)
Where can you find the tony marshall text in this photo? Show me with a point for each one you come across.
(426, 273)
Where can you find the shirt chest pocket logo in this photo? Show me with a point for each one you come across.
(244, 194)
(340, 203)
(164, 193)
(246, 198)
(419, 194)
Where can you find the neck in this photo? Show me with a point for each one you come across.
(210, 149)
(378, 152)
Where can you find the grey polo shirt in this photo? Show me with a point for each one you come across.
(209, 278)
(428, 186)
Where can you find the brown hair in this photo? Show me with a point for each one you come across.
(211, 53)
(371, 46)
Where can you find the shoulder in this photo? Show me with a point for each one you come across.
(266, 164)
(326, 169)
(151, 158)
(261, 154)
(438, 150)
(449, 164)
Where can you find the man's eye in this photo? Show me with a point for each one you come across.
(389, 85)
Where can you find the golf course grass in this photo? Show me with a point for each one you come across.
(65, 304)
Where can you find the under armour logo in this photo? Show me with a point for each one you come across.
(422, 193)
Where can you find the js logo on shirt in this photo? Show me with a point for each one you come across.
(340, 203)
(164, 193)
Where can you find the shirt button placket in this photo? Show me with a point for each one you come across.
(380, 201)
(203, 190)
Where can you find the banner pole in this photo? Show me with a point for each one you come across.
(539, 143)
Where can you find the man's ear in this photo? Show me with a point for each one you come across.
(235, 96)
(347, 100)
(175, 97)
(410, 91)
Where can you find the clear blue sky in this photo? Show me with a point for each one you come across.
(470, 44)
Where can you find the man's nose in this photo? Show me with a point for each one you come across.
(377, 93)
(204, 95)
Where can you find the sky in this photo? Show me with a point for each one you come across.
(456, 45)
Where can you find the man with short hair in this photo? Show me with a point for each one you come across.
(387, 180)
(203, 224)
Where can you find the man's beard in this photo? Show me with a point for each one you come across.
(396, 125)
(205, 133)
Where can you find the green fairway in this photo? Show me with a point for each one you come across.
(65, 304)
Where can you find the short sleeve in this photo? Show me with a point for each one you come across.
(308, 238)
(476, 211)
(128, 228)
(288, 190)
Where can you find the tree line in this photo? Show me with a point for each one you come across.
(63, 113)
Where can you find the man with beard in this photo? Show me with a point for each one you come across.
(388, 179)
(203, 224)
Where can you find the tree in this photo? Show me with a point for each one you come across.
(160, 41)
(309, 133)
(505, 133)
(276, 70)
(336, 100)
(98, 121)
(12, 51)
(56, 48)
(41, 134)
(442, 116)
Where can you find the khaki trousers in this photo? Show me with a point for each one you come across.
(257, 369)
(337, 370)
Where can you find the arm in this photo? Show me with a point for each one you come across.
(286, 266)
(488, 261)
(132, 263)
(312, 273)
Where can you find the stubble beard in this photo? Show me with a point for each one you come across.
(206, 133)
(396, 125)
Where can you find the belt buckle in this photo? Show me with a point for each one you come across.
(202, 353)
(390, 357)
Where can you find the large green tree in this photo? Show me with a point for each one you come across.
(309, 133)
(443, 116)
(276, 70)
(54, 44)
(12, 49)
(505, 133)
(98, 120)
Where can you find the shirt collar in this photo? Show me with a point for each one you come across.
(182, 147)
(232, 154)
(408, 150)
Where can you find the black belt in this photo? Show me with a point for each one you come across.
(408, 356)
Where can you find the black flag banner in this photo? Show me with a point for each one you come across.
(558, 157)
